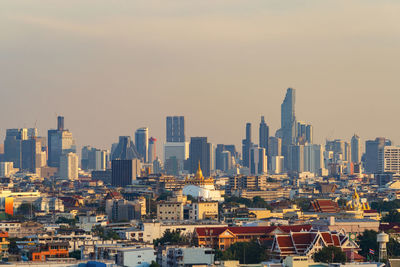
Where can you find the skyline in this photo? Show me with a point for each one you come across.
(254, 133)
(219, 65)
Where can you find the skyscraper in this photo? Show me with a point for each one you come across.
(263, 135)
(372, 148)
(288, 122)
(60, 142)
(69, 166)
(142, 142)
(200, 151)
(125, 149)
(13, 145)
(355, 149)
(246, 145)
(152, 149)
(124, 172)
(175, 128)
(258, 160)
(274, 146)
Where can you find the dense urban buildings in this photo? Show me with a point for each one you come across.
(286, 196)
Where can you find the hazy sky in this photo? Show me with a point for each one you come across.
(113, 66)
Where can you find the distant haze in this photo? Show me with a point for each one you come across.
(113, 66)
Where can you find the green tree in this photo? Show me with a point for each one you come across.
(366, 241)
(245, 252)
(171, 238)
(106, 234)
(75, 254)
(154, 264)
(393, 216)
(329, 255)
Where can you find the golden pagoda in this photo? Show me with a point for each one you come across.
(199, 179)
(356, 204)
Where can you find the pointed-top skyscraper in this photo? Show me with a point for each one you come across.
(263, 134)
(288, 122)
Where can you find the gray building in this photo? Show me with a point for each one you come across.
(124, 172)
(355, 149)
(175, 128)
(142, 142)
(372, 148)
(288, 122)
(60, 141)
(263, 135)
(200, 151)
(246, 145)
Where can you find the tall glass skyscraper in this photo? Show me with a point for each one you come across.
(264, 135)
(288, 123)
(175, 129)
(142, 142)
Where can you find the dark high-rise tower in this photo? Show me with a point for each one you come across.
(200, 151)
(263, 134)
(246, 145)
(288, 123)
(60, 123)
(142, 142)
(175, 129)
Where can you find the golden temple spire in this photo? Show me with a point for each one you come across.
(199, 173)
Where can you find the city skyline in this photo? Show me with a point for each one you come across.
(93, 68)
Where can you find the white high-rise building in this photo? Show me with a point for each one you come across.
(389, 159)
(69, 166)
(6, 169)
(277, 164)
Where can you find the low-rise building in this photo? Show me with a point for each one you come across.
(136, 257)
(204, 211)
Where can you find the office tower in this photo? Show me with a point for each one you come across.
(258, 160)
(246, 145)
(60, 142)
(263, 134)
(389, 160)
(200, 151)
(60, 123)
(304, 133)
(68, 166)
(142, 142)
(124, 150)
(13, 145)
(313, 158)
(85, 157)
(31, 148)
(288, 123)
(274, 146)
(296, 158)
(124, 172)
(355, 149)
(175, 129)
(277, 164)
(175, 154)
(372, 148)
(93, 159)
(152, 149)
(226, 161)
(6, 169)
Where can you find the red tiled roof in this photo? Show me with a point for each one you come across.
(295, 228)
(215, 231)
(325, 206)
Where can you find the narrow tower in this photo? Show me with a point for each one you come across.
(382, 239)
